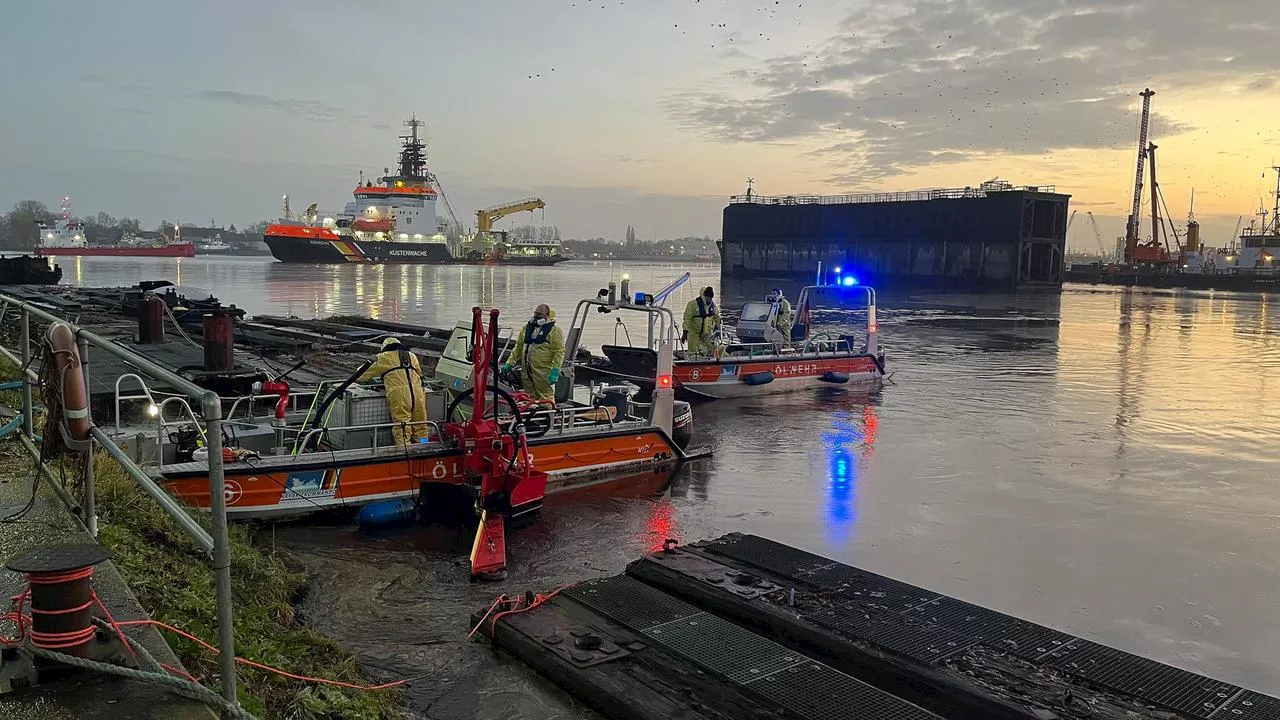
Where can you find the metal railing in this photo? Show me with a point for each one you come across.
(215, 542)
(305, 442)
(890, 197)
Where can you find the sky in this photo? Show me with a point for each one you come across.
(649, 113)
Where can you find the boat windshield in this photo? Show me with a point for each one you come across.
(756, 311)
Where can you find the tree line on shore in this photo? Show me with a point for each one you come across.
(20, 230)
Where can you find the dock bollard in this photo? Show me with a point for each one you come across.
(151, 320)
(219, 342)
(61, 598)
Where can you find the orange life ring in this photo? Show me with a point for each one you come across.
(75, 397)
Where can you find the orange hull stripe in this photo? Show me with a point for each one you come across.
(248, 488)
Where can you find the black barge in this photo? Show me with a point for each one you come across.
(744, 627)
(994, 237)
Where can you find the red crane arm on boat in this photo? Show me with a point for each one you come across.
(497, 464)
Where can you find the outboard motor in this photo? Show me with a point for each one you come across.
(682, 424)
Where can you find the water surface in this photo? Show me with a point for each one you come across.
(1103, 461)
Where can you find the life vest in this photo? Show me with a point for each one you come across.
(705, 310)
(406, 365)
(535, 334)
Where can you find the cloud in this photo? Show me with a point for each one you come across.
(903, 86)
(634, 159)
(304, 108)
(311, 109)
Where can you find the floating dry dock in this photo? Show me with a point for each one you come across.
(744, 627)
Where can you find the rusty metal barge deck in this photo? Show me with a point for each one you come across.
(744, 627)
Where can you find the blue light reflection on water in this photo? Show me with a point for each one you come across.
(848, 446)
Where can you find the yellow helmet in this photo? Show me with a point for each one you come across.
(390, 342)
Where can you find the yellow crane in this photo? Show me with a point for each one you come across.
(487, 217)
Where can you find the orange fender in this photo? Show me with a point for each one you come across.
(75, 396)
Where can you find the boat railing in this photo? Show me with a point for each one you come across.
(564, 419)
(250, 400)
(432, 426)
(832, 346)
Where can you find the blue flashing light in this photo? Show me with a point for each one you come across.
(850, 280)
(837, 269)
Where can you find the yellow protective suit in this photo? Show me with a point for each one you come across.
(784, 319)
(539, 350)
(701, 320)
(402, 380)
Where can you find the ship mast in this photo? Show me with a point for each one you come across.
(413, 155)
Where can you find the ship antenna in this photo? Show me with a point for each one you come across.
(750, 184)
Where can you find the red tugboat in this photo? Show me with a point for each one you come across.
(759, 360)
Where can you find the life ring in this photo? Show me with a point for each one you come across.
(75, 397)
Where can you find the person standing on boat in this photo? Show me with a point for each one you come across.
(701, 320)
(401, 377)
(539, 353)
(783, 318)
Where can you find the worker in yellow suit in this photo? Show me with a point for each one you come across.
(701, 320)
(401, 377)
(539, 353)
(782, 321)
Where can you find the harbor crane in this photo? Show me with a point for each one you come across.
(487, 217)
(1132, 227)
(1097, 234)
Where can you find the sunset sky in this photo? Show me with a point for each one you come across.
(647, 113)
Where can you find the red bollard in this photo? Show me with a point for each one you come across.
(219, 342)
(61, 597)
(151, 320)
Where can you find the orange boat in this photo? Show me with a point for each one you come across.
(326, 461)
(760, 360)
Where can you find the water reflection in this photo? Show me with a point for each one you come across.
(1101, 461)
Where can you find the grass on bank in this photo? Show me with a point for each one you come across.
(175, 584)
(169, 575)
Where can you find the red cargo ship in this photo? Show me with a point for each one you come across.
(67, 237)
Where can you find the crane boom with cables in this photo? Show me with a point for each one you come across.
(487, 217)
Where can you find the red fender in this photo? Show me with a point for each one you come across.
(75, 397)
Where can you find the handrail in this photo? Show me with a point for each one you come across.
(306, 439)
(216, 541)
(293, 399)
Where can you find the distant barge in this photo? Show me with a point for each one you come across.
(995, 237)
(745, 627)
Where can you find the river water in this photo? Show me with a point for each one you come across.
(1103, 461)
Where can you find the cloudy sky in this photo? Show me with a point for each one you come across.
(644, 112)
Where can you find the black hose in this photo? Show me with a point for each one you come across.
(324, 406)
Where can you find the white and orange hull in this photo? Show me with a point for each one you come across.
(736, 377)
(319, 481)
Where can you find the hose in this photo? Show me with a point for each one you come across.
(185, 688)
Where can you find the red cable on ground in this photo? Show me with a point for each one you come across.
(260, 666)
(537, 600)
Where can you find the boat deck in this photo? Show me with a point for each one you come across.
(743, 626)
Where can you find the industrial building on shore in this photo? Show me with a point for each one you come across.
(995, 237)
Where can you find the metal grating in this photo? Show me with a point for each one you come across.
(1249, 705)
(818, 692)
(910, 637)
(724, 648)
(765, 554)
(1029, 641)
(966, 618)
(1161, 684)
(630, 602)
(867, 586)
